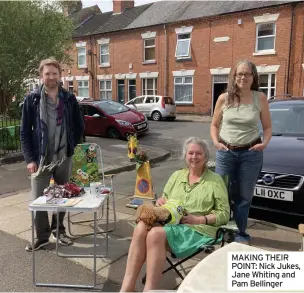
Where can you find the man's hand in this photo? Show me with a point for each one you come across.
(32, 167)
(161, 201)
(191, 220)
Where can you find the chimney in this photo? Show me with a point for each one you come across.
(120, 5)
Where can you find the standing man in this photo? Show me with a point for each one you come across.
(51, 127)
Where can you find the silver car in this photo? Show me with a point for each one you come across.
(155, 107)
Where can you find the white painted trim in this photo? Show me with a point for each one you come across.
(104, 76)
(69, 78)
(120, 76)
(103, 41)
(268, 69)
(81, 44)
(303, 65)
(265, 52)
(131, 75)
(82, 66)
(148, 75)
(148, 35)
(184, 30)
(183, 73)
(82, 77)
(221, 39)
(220, 71)
(104, 65)
(267, 17)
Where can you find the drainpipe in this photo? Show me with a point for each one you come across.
(92, 68)
(166, 63)
(302, 61)
(290, 45)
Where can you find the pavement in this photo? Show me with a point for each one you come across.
(15, 233)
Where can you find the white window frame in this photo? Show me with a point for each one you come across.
(188, 55)
(83, 87)
(269, 87)
(105, 90)
(257, 37)
(82, 54)
(149, 47)
(68, 81)
(183, 83)
(100, 55)
(144, 91)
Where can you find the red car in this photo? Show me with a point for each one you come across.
(111, 119)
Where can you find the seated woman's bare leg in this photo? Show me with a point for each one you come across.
(136, 258)
(156, 257)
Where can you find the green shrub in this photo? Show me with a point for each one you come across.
(9, 138)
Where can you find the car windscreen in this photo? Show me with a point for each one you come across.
(287, 119)
(111, 107)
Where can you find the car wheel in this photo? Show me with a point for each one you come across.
(113, 133)
(156, 116)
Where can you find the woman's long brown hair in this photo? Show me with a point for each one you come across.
(233, 90)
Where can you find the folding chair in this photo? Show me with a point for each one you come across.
(224, 234)
(88, 167)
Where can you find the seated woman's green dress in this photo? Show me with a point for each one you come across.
(208, 196)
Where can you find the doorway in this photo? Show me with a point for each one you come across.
(219, 86)
(121, 91)
(131, 89)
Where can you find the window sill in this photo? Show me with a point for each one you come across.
(181, 59)
(82, 66)
(104, 65)
(184, 103)
(149, 62)
(270, 52)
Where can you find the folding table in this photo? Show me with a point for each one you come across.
(88, 203)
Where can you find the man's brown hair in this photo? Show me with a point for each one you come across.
(49, 61)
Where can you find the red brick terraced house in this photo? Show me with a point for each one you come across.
(185, 49)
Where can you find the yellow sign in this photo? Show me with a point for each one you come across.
(143, 185)
(132, 146)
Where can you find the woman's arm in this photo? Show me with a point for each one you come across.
(216, 122)
(221, 210)
(265, 119)
(266, 124)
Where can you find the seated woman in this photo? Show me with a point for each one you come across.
(204, 196)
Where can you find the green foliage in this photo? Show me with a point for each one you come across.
(9, 138)
(30, 31)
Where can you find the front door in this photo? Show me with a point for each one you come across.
(121, 91)
(132, 89)
(220, 83)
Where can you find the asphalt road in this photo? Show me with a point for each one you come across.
(163, 134)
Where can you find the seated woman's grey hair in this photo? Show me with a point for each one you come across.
(199, 141)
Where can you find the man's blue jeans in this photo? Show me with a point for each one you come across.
(243, 168)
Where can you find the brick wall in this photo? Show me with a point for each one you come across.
(127, 48)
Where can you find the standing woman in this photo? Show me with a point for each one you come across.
(235, 134)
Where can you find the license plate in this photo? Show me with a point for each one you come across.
(141, 126)
(272, 193)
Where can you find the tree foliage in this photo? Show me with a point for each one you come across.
(30, 31)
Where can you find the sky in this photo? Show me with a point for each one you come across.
(107, 5)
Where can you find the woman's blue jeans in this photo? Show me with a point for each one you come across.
(243, 168)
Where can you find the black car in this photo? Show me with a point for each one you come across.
(280, 185)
